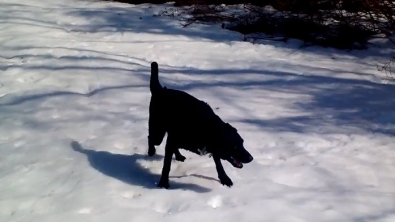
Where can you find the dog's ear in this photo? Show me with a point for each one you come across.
(232, 133)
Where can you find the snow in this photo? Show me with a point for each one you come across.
(74, 98)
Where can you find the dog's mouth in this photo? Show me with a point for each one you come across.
(235, 162)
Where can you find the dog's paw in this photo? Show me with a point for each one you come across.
(226, 181)
(151, 151)
(180, 158)
(163, 184)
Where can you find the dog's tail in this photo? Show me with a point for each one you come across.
(155, 85)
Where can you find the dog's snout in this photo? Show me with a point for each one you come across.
(247, 157)
(250, 158)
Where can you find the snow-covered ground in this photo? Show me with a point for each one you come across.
(74, 98)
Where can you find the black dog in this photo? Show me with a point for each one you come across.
(192, 125)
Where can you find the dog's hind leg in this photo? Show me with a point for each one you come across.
(225, 180)
(156, 130)
(169, 150)
(154, 139)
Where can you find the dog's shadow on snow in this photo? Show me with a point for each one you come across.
(126, 169)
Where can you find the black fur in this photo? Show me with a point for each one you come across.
(192, 125)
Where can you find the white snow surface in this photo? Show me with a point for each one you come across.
(74, 99)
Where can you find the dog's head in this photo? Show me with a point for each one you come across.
(232, 147)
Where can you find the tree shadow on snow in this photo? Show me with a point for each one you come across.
(126, 169)
(336, 103)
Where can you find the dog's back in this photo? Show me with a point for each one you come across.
(181, 114)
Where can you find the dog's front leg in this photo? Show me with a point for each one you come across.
(225, 180)
(169, 151)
